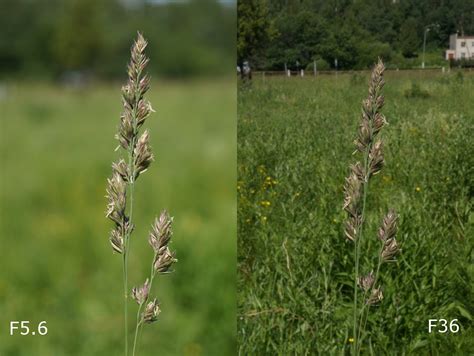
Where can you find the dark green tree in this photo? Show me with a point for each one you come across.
(409, 38)
(254, 29)
(298, 39)
(78, 40)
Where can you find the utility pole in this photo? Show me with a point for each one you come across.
(427, 29)
(424, 46)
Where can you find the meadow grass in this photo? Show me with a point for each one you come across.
(295, 282)
(55, 149)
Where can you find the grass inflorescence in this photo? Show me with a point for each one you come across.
(356, 190)
(136, 109)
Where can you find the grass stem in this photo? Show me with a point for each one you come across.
(136, 329)
(357, 248)
(139, 324)
(125, 304)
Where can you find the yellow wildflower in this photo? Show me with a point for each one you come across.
(418, 189)
(351, 340)
(265, 203)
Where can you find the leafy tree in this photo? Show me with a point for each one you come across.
(78, 37)
(254, 28)
(409, 38)
(298, 39)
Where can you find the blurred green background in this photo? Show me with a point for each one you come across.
(57, 124)
(40, 38)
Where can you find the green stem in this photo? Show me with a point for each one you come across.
(127, 246)
(136, 329)
(131, 168)
(357, 248)
(139, 338)
(125, 310)
(131, 183)
(355, 297)
(364, 323)
(138, 326)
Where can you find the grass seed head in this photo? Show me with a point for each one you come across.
(140, 294)
(151, 312)
(376, 160)
(121, 168)
(135, 108)
(352, 194)
(126, 128)
(372, 120)
(161, 232)
(366, 282)
(118, 233)
(351, 227)
(116, 195)
(142, 154)
(144, 110)
(376, 296)
(117, 239)
(164, 259)
(388, 229)
(390, 249)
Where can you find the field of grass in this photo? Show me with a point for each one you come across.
(56, 148)
(295, 267)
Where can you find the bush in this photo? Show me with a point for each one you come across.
(416, 92)
(357, 78)
(463, 63)
(321, 64)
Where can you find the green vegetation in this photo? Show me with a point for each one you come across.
(47, 38)
(354, 32)
(57, 264)
(295, 266)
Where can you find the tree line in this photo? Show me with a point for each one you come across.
(280, 34)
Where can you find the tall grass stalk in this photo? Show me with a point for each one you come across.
(355, 201)
(136, 109)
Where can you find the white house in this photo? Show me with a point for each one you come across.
(460, 47)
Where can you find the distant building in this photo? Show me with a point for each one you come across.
(460, 47)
